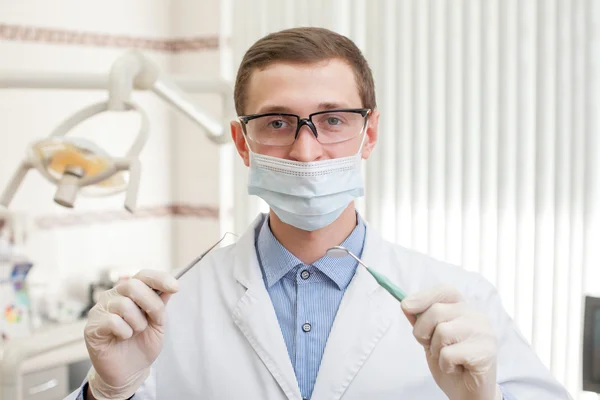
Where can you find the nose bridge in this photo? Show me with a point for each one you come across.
(307, 122)
(306, 147)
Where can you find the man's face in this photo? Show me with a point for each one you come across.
(303, 89)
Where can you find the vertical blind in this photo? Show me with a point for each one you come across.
(488, 143)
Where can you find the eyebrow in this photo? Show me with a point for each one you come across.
(288, 110)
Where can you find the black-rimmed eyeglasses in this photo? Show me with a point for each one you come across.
(281, 129)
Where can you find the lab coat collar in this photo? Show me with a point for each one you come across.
(246, 269)
(255, 316)
(276, 261)
(364, 316)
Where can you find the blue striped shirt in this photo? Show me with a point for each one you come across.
(306, 297)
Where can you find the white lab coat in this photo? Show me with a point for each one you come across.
(223, 339)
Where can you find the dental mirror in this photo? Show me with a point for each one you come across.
(337, 252)
(382, 280)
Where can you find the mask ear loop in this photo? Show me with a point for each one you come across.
(251, 154)
(364, 135)
(246, 141)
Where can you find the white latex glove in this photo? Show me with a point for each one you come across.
(124, 333)
(460, 344)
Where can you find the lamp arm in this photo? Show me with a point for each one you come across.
(135, 170)
(168, 90)
(135, 71)
(16, 180)
(130, 71)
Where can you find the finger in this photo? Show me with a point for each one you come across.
(419, 302)
(165, 297)
(129, 311)
(427, 322)
(447, 334)
(411, 318)
(158, 280)
(111, 325)
(145, 298)
(466, 355)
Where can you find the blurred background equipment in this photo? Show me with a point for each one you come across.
(15, 310)
(47, 366)
(590, 375)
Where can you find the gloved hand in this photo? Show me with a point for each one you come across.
(460, 344)
(124, 333)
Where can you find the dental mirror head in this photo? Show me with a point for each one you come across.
(382, 280)
(337, 252)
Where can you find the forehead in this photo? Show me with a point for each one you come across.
(302, 88)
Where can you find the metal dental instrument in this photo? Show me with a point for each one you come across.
(339, 252)
(183, 271)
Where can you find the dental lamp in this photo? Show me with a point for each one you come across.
(73, 163)
(78, 165)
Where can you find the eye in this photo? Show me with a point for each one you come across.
(333, 121)
(277, 124)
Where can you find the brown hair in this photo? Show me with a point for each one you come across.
(304, 45)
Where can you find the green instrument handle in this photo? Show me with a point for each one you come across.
(388, 285)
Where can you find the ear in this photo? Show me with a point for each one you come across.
(371, 134)
(237, 134)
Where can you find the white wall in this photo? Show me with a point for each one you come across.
(195, 158)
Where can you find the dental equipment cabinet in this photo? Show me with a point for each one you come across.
(48, 363)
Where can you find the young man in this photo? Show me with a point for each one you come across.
(273, 317)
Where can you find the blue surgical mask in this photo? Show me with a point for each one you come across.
(307, 195)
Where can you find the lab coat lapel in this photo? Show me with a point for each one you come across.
(361, 321)
(255, 316)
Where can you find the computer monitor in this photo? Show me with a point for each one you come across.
(591, 345)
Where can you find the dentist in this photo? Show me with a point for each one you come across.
(272, 317)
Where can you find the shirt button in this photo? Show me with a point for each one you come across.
(305, 275)
(306, 327)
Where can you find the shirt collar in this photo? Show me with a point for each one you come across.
(276, 261)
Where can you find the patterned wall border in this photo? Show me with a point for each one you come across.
(89, 39)
(107, 216)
